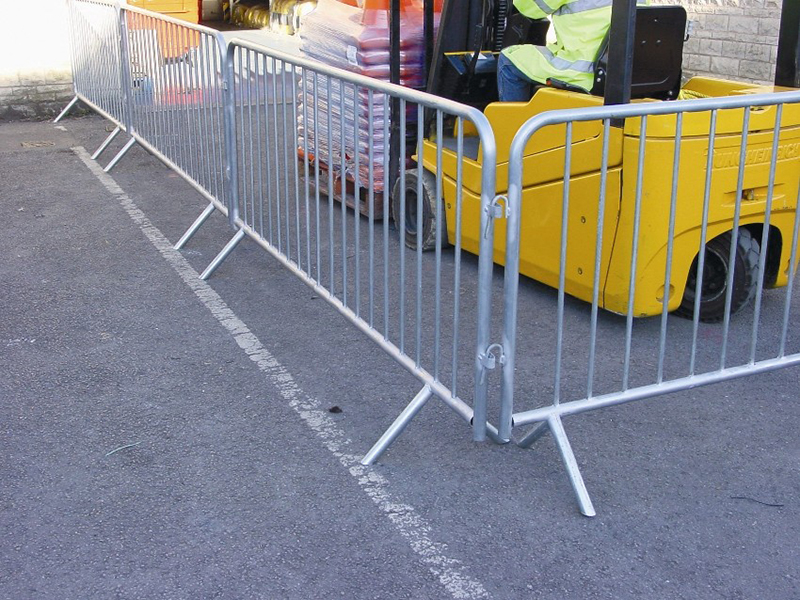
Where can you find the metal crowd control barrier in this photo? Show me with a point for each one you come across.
(97, 64)
(272, 141)
(306, 134)
(295, 153)
(589, 216)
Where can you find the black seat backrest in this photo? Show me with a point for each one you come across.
(657, 54)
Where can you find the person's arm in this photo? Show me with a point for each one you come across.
(538, 9)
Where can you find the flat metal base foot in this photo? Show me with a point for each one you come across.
(396, 428)
(567, 456)
(67, 108)
(198, 223)
(220, 258)
(119, 155)
(105, 143)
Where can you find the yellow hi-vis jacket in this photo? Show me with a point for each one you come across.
(580, 27)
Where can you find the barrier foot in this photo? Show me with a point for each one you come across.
(534, 434)
(198, 223)
(492, 434)
(105, 144)
(400, 423)
(67, 108)
(220, 258)
(119, 155)
(584, 502)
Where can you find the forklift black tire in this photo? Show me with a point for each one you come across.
(717, 267)
(408, 222)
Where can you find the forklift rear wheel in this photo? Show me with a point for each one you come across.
(427, 235)
(715, 279)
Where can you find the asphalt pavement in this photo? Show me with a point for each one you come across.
(165, 438)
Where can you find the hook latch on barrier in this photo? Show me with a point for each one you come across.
(489, 360)
(496, 210)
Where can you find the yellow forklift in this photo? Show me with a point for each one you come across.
(467, 74)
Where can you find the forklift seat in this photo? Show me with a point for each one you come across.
(657, 54)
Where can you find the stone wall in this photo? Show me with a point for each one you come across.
(731, 39)
(35, 77)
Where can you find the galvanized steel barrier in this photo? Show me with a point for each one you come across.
(228, 123)
(592, 218)
(306, 133)
(295, 153)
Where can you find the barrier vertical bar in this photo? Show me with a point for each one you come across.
(598, 256)
(357, 203)
(457, 278)
(316, 179)
(701, 256)
(343, 177)
(294, 149)
(673, 207)
(388, 167)
(562, 266)
(371, 207)
(229, 119)
(726, 324)
(269, 148)
(401, 229)
(634, 252)
(437, 328)
(765, 232)
(261, 67)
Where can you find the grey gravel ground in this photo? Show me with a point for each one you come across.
(230, 486)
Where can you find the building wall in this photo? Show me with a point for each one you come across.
(731, 39)
(35, 77)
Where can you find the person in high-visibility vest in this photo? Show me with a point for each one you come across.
(580, 27)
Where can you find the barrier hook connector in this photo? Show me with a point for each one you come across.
(489, 360)
(496, 210)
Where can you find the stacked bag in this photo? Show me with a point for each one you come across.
(357, 40)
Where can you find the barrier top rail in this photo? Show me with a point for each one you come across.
(594, 113)
(397, 91)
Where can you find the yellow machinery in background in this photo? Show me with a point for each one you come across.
(543, 194)
(186, 10)
(172, 46)
(543, 168)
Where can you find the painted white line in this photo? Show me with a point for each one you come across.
(450, 572)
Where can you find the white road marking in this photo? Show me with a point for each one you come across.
(450, 572)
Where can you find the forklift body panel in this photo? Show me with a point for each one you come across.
(543, 187)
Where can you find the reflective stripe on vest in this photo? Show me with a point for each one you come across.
(580, 27)
(581, 5)
(582, 66)
(544, 7)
